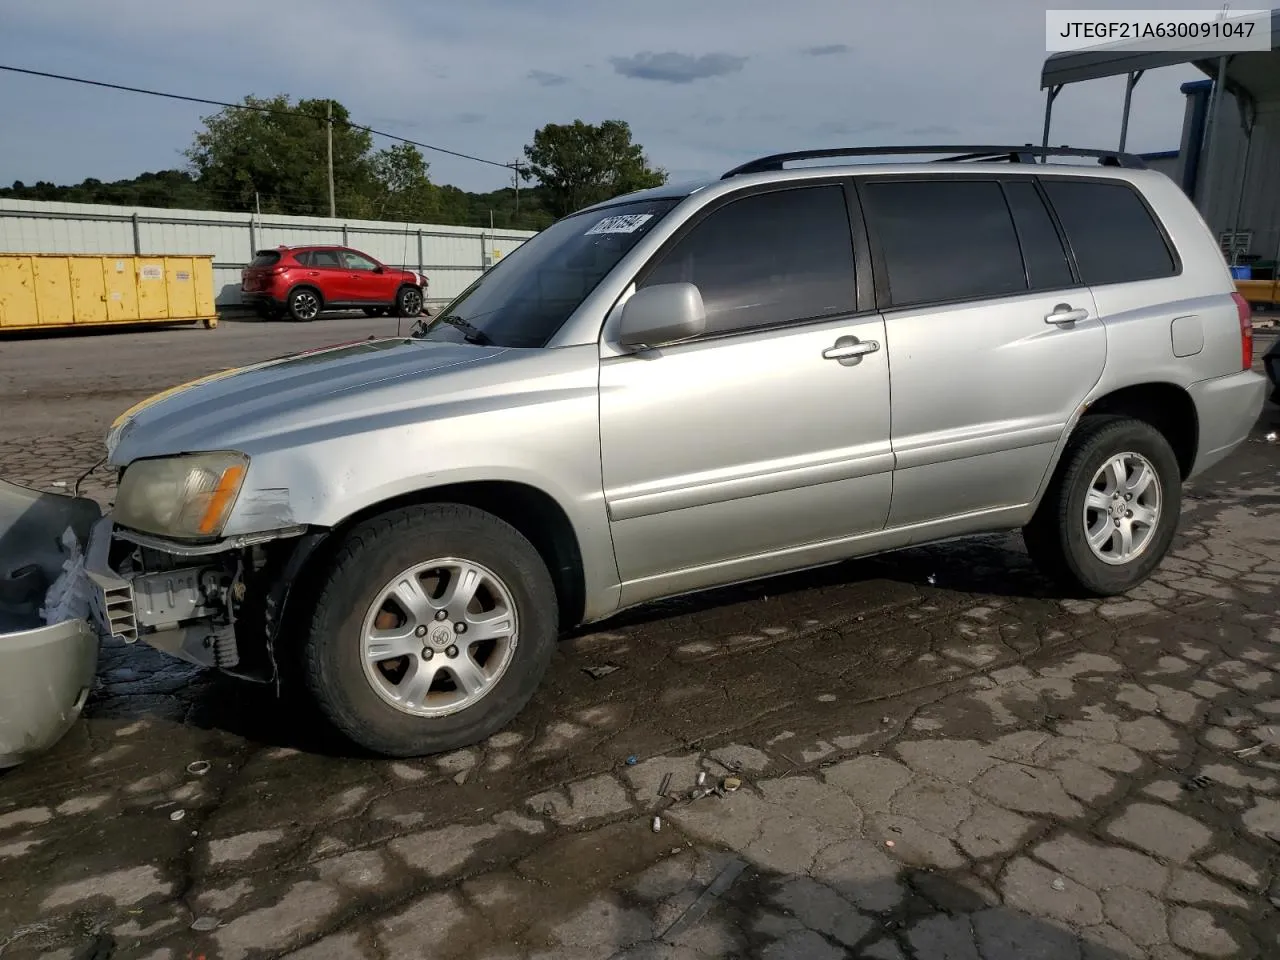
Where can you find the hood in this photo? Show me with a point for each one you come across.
(215, 412)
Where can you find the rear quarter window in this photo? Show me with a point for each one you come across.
(1113, 235)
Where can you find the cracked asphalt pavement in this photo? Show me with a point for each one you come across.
(937, 757)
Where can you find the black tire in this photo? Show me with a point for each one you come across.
(1056, 536)
(305, 304)
(374, 311)
(409, 302)
(369, 557)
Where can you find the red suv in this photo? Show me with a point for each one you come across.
(303, 281)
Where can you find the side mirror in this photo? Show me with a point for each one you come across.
(666, 313)
(379, 268)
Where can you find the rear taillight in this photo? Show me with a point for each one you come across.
(1246, 331)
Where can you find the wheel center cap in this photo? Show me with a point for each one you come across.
(1118, 509)
(441, 636)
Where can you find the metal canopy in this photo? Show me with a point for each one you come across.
(1076, 66)
(1250, 76)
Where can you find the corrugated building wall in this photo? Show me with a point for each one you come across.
(1215, 177)
(451, 257)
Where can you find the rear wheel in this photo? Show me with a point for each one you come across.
(432, 631)
(304, 304)
(1111, 510)
(409, 302)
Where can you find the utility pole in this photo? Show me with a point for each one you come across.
(333, 208)
(516, 179)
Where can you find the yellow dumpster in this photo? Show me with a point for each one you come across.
(44, 291)
(1260, 293)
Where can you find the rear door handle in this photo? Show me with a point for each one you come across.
(1063, 313)
(850, 350)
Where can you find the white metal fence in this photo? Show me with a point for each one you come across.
(451, 257)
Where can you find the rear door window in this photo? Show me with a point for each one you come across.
(767, 259)
(943, 240)
(325, 258)
(1112, 233)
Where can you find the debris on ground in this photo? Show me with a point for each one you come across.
(933, 579)
(177, 815)
(731, 784)
(1271, 437)
(657, 824)
(666, 784)
(198, 768)
(1059, 884)
(1266, 736)
(632, 760)
(702, 778)
(698, 909)
(595, 673)
(205, 924)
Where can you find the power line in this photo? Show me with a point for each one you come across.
(253, 107)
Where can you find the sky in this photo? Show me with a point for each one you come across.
(704, 84)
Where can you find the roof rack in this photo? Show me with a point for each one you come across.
(1023, 154)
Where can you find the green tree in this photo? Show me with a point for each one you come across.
(278, 150)
(402, 190)
(579, 164)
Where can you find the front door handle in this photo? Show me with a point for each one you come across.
(1063, 313)
(850, 350)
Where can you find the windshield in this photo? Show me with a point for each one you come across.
(526, 297)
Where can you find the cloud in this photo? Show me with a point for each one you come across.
(827, 50)
(544, 78)
(672, 67)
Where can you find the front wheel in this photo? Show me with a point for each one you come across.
(1111, 511)
(432, 631)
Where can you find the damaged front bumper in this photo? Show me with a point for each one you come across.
(213, 605)
(69, 578)
(46, 668)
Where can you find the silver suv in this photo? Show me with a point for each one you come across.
(679, 389)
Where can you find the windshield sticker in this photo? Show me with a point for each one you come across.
(628, 224)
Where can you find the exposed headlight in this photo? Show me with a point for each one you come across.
(187, 497)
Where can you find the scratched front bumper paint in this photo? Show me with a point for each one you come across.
(45, 677)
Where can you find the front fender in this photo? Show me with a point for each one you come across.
(327, 484)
